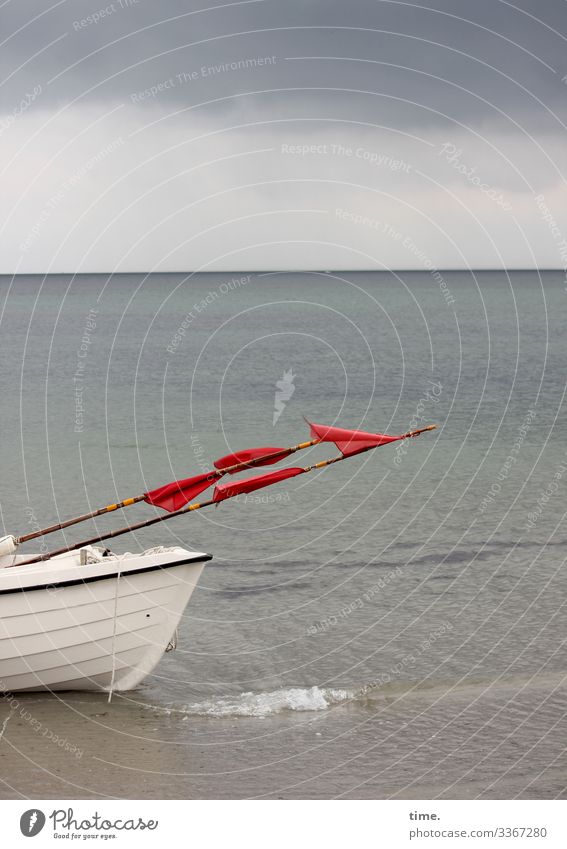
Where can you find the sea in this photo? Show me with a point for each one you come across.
(390, 627)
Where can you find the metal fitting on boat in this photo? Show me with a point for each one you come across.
(8, 545)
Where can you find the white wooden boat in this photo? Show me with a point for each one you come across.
(89, 621)
(82, 618)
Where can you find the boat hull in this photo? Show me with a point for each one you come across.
(100, 626)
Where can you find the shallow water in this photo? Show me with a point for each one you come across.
(391, 626)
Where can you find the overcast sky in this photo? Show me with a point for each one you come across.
(271, 134)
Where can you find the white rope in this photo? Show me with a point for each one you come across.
(114, 636)
(5, 723)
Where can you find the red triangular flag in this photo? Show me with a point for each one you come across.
(173, 496)
(350, 442)
(229, 490)
(249, 454)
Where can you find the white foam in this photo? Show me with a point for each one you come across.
(277, 701)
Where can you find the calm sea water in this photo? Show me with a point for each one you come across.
(393, 626)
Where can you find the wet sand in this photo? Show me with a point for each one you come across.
(477, 741)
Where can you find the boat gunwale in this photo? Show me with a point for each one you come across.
(124, 573)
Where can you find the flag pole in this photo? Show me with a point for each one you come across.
(214, 476)
(196, 506)
(111, 534)
(68, 522)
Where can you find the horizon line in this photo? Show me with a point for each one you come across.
(282, 271)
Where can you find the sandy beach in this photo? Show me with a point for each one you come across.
(479, 740)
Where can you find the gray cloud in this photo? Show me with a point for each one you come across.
(182, 84)
(455, 59)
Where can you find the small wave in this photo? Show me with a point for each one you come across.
(266, 704)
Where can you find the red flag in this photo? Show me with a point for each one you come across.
(229, 490)
(350, 442)
(249, 454)
(174, 496)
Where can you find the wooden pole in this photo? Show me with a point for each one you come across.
(192, 507)
(215, 475)
(66, 524)
(111, 534)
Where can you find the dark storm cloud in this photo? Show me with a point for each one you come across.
(427, 63)
(260, 134)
